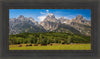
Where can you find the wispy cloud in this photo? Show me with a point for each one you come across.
(87, 18)
(43, 15)
(41, 18)
(70, 16)
(47, 11)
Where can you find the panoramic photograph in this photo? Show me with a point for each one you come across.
(49, 29)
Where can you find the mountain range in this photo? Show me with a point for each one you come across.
(78, 25)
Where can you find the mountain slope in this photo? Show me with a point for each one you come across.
(23, 24)
(50, 23)
(78, 25)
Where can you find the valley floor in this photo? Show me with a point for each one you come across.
(51, 47)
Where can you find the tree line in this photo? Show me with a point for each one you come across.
(47, 38)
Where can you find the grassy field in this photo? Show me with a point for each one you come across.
(53, 47)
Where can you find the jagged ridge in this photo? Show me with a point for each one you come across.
(50, 23)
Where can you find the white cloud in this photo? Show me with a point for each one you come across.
(47, 11)
(66, 17)
(43, 15)
(41, 18)
(87, 18)
(57, 17)
(70, 17)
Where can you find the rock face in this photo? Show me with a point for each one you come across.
(49, 26)
(50, 23)
(78, 25)
(51, 18)
(81, 20)
(64, 20)
(23, 24)
(82, 25)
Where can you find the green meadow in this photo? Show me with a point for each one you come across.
(49, 41)
(53, 47)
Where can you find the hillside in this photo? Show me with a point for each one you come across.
(47, 38)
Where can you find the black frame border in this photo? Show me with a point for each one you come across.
(46, 5)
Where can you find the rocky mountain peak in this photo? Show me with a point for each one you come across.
(30, 18)
(50, 23)
(62, 17)
(63, 20)
(79, 17)
(21, 16)
(81, 20)
(50, 17)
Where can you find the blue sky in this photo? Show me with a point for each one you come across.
(40, 14)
